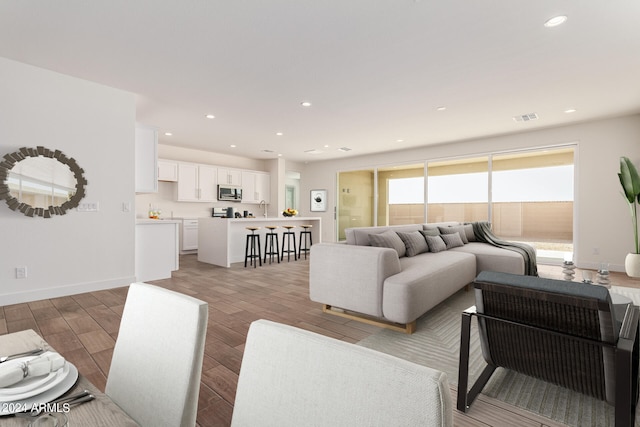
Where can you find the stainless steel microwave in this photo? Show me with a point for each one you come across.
(229, 193)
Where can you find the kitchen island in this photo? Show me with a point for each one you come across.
(221, 241)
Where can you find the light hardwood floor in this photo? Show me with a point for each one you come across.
(84, 328)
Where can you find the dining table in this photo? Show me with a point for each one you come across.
(101, 411)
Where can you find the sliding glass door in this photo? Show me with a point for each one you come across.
(527, 196)
(458, 190)
(532, 199)
(355, 200)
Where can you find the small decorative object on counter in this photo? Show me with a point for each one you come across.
(290, 212)
(568, 269)
(603, 275)
(154, 213)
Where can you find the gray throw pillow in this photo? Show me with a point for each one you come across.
(414, 242)
(388, 239)
(436, 244)
(430, 232)
(468, 230)
(455, 229)
(452, 240)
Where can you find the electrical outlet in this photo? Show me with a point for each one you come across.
(126, 207)
(21, 272)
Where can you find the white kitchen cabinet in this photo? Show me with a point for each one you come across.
(146, 159)
(196, 183)
(256, 187)
(229, 176)
(167, 170)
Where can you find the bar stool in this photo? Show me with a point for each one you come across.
(253, 242)
(304, 245)
(269, 247)
(286, 237)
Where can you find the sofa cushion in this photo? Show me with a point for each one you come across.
(452, 240)
(455, 229)
(436, 244)
(424, 282)
(414, 242)
(491, 258)
(388, 239)
(360, 235)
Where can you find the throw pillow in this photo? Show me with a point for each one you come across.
(436, 244)
(452, 240)
(430, 232)
(388, 239)
(468, 229)
(414, 242)
(455, 229)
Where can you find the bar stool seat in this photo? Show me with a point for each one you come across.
(305, 241)
(252, 246)
(286, 238)
(271, 248)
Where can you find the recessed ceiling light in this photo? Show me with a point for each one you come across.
(168, 134)
(233, 146)
(555, 21)
(279, 133)
(326, 146)
(305, 104)
(570, 110)
(399, 140)
(441, 108)
(210, 116)
(279, 155)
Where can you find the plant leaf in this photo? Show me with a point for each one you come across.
(629, 179)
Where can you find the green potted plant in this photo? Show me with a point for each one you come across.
(630, 181)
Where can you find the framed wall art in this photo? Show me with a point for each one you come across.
(318, 200)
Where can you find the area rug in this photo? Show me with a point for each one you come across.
(436, 343)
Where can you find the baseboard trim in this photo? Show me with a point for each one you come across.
(65, 290)
(407, 328)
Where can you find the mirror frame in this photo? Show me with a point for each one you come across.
(9, 161)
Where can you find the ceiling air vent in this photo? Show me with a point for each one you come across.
(313, 151)
(526, 117)
(344, 149)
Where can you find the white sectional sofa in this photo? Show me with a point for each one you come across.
(393, 284)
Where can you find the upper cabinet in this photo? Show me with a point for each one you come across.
(256, 187)
(197, 183)
(146, 159)
(167, 170)
(229, 176)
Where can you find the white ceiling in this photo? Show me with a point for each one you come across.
(374, 70)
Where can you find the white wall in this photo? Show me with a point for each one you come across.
(602, 217)
(95, 125)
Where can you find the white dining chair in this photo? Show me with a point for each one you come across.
(157, 360)
(290, 377)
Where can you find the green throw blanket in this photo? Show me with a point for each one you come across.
(483, 233)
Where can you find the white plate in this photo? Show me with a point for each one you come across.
(65, 384)
(59, 375)
(25, 385)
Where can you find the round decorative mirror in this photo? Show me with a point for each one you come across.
(41, 182)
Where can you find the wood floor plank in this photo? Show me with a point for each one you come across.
(84, 327)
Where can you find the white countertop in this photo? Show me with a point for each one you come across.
(157, 221)
(270, 219)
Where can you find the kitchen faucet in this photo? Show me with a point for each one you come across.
(263, 203)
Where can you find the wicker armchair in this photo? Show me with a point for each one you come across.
(561, 332)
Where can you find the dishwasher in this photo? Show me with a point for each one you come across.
(189, 241)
